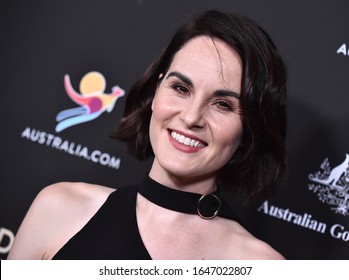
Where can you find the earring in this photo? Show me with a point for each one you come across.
(160, 76)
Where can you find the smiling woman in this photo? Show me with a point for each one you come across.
(211, 111)
(259, 164)
(190, 103)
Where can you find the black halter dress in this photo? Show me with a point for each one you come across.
(113, 234)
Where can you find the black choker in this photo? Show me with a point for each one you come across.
(206, 206)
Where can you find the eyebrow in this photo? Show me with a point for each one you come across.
(182, 77)
(216, 93)
(223, 93)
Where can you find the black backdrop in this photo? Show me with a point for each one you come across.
(41, 41)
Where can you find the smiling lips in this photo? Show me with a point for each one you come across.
(187, 144)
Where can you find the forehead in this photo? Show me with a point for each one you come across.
(208, 58)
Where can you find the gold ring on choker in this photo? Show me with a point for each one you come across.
(199, 210)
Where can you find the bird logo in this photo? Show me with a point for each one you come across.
(92, 100)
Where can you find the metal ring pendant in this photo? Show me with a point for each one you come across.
(200, 210)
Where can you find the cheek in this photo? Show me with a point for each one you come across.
(161, 112)
(227, 139)
(156, 109)
(163, 108)
(229, 136)
(158, 112)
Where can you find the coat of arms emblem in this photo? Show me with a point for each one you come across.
(332, 185)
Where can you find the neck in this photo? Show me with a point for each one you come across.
(198, 184)
(207, 206)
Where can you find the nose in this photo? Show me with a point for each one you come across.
(192, 116)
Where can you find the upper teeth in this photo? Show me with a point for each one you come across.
(186, 140)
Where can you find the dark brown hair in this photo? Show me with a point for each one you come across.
(259, 165)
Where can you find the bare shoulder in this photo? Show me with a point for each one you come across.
(247, 246)
(64, 200)
(67, 194)
(260, 250)
(239, 243)
(57, 213)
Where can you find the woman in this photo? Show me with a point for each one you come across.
(211, 110)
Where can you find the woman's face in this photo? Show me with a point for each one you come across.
(195, 126)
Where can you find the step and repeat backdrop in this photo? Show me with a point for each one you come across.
(57, 56)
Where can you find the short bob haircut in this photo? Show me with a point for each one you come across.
(259, 165)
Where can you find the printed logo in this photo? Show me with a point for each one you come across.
(332, 185)
(92, 100)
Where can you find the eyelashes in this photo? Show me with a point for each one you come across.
(181, 89)
(223, 105)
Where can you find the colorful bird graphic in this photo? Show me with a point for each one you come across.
(92, 99)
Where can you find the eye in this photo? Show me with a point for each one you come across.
(181, 89)
(224, 105)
